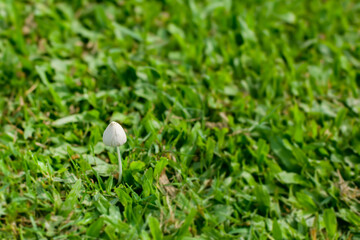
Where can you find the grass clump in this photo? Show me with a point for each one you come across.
(242, 119)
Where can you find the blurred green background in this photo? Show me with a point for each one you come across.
(242, 119)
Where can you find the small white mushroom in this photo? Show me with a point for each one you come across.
(114, 136)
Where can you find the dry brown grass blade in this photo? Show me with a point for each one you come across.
(313, 234)
(165, 183)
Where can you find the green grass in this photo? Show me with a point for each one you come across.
(242, 119)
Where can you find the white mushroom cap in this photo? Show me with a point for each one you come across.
(114, 135)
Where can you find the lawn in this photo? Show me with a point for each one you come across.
(241, 116)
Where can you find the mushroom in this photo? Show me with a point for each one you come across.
(114, 136)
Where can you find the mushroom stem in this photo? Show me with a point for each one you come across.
(120, 165)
